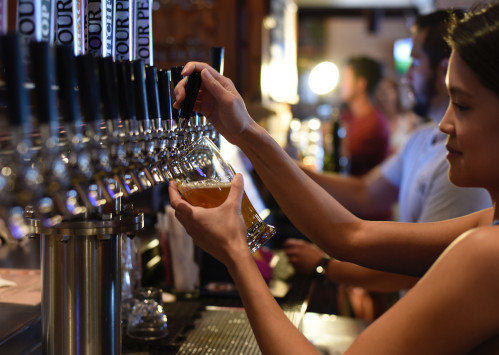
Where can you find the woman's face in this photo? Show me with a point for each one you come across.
(472, 123)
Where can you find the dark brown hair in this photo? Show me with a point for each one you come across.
(476, 39)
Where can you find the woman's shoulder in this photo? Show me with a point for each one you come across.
(480, 244)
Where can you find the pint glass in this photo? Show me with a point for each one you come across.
(203, 178)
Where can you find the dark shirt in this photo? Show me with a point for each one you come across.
(367, 140)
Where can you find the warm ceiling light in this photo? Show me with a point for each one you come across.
(323, 78)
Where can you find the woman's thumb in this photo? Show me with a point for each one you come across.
(236, 189)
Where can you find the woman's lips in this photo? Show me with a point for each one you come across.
(452, 152)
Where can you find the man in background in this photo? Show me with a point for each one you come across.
(367, 139)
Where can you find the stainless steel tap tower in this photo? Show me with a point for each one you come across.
(81, 289)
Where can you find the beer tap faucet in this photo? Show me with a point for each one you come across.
(185, 113)
(76, 158)
(49, 162)
(125, 174)
(22, 185)
(146, 142)
(180, 130)
(159, 136)
(165, 99)
(166, 108)
(115, 135)
(96, 163)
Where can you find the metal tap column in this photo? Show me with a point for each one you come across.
(81, 283)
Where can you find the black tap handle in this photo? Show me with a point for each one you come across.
(165, 94)
(66, 80)
(217, 59)
(176, 73)
(176, 76)
(191, 93)
(140, 90)
(88, 87)
(125, 90)
(152, 92)
(15, 79)
(44, 79)
(108, 87)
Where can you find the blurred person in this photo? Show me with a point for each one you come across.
(366, 141)
(401, 120)
(451, 309)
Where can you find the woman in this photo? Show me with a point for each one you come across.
(452, 309)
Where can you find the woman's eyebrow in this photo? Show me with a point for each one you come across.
(457, 91)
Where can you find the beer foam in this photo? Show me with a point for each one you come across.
(205, 184)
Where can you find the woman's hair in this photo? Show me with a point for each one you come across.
(476, 39)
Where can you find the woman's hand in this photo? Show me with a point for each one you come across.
(218, 100)
(302, 255)
(220, 231)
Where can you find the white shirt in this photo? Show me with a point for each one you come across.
(420, 171)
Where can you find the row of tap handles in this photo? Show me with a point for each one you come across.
(84, 131)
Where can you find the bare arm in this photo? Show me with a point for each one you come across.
(388, 246)
(221, 232)
(304, 257)
(368, 195)
(371, 280)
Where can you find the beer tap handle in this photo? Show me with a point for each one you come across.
(141, 94)
(176, 73)
(108, 87)
(165, 98)
(152, 92)
(66, 78)
(217, 62)
(125, 90)
(176, 76)
(44, 78)
(15, 80)
(217, 59)
(191, 92)
(88, 89)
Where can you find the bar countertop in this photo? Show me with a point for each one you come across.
(197, 326)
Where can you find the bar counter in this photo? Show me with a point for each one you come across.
(205, 325)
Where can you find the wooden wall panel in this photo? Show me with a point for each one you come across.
(184, 34)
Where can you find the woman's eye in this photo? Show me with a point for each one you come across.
(460, 107)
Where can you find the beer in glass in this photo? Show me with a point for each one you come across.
(203, 178)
